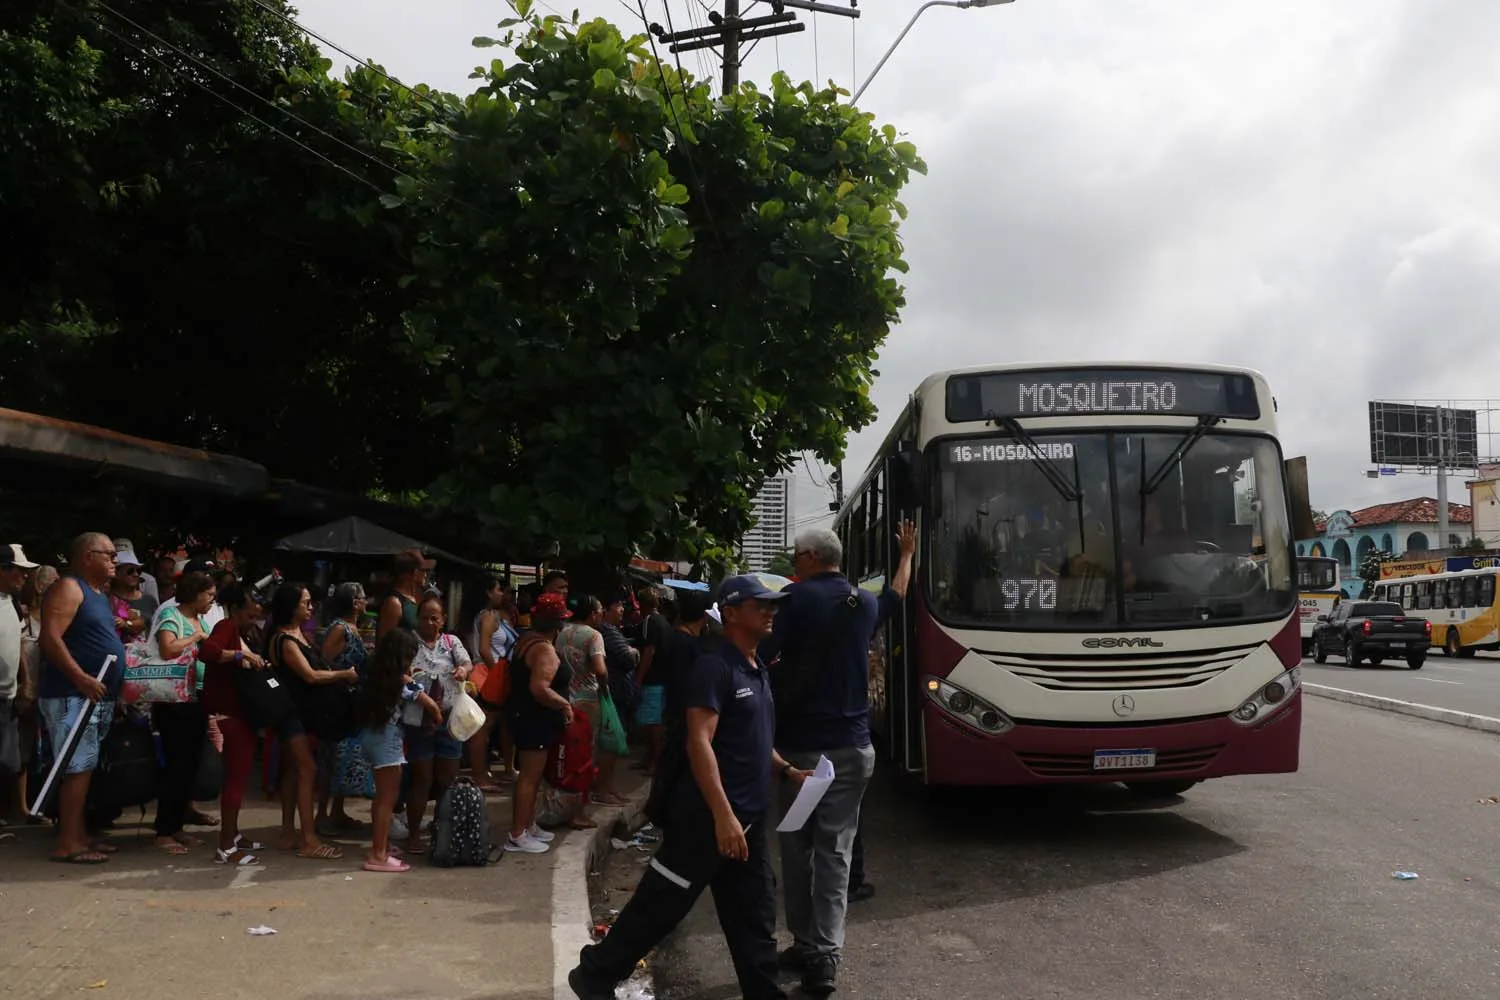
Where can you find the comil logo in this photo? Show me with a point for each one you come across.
(1122, 642)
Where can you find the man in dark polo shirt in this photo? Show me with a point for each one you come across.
(716, 834)
(819, 651)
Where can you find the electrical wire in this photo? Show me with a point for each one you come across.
(176, 73)
(687, 150)
(817, 73)
(262, 99)
(332, 44)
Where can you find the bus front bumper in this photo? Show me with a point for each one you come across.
(1032, 754)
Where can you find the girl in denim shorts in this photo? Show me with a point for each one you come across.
(388, 687)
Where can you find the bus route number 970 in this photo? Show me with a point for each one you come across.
(1033, 593)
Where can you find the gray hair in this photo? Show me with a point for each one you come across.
(822, 545)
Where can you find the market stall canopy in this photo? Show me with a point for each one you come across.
(354, 536)
(35, 437)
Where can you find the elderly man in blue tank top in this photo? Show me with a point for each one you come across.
(78, 634)
(820, 674)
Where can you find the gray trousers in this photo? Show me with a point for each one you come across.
(815, 860)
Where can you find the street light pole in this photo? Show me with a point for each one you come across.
(961, 4)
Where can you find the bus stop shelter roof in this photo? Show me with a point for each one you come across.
(354, 536)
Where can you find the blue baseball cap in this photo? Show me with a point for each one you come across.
(739, 589)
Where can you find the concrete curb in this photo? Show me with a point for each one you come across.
(1448, 716)
(572, 919)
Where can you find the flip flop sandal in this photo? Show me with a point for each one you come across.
(237, 858)
(174, 848)
(241, 844)
(197, 818)
(187, 840)
(390, 865)
(324, 852)
(79, 858)
(416, 847)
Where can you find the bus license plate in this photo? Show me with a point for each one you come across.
(1123, 760)
(1398, 644)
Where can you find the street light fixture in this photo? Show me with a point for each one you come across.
(961, 4)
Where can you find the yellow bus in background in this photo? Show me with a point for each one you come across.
(1317, 591)
(1460, 606)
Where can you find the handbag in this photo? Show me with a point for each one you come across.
(612, 739)
(495, 688)
(150, 678)
(264, 701)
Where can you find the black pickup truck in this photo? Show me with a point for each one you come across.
(1371, 630)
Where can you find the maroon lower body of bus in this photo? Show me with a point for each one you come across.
(1034, 753)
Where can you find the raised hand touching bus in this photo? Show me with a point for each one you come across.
(906, 537)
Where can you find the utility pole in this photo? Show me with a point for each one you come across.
(1442, 482)
(728, 31)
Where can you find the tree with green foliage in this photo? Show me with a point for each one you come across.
(783, 564)
(650, 299)
(196, 251)
(590, 306)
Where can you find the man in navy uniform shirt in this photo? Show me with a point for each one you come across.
(716, 836)
(819, 651)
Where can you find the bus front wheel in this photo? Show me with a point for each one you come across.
(1160, 789)
(1451, 646)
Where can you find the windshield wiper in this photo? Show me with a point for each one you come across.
(1054, 475)
(1169, 463)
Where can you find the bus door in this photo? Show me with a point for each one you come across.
(903, 680)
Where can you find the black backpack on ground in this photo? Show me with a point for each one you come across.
(128, 773)
(462, 827)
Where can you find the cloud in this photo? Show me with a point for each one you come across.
(1307, 188)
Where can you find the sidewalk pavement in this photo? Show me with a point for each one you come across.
(152, 926)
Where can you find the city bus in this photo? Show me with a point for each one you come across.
(1317, 592)
(1104, 584)
(1460, 606)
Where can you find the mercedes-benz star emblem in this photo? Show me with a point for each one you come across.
(1124, 705)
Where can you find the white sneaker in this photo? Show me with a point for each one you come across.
(537, 833)
(526, 845)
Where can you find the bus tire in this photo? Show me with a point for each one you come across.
(1351, 653)
(1451, 646)
(1160, 789)
(1415, 662)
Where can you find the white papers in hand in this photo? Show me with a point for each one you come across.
(814, 787)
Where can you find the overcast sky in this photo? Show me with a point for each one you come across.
(1307, 187)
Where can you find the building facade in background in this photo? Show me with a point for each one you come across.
(1405, 528)
(773, 524)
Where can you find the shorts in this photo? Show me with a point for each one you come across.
(382, 746)
(58, 715)
(436, 744)
(649, 706)
(291, 727)
(531, 733)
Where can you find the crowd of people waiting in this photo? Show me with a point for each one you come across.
(335, 697)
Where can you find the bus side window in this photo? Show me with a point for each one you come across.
(1424, 596)
(1487, 591)
(1468, 597)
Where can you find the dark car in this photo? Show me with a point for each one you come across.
(1374, 631)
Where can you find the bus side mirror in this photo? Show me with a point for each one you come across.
(903, 476)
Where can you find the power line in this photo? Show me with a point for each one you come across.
(175, 72)
(332, 45)
(261, 98)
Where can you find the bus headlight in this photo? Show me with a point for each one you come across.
(972, 711)
(1268, 699)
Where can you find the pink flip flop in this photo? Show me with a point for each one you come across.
(390, 865)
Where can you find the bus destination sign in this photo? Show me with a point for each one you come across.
(1096, 392)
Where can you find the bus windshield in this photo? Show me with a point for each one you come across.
(1317, 574)
(1015, 545)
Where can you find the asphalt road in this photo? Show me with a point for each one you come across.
(1465, 685)
(1275, 886)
